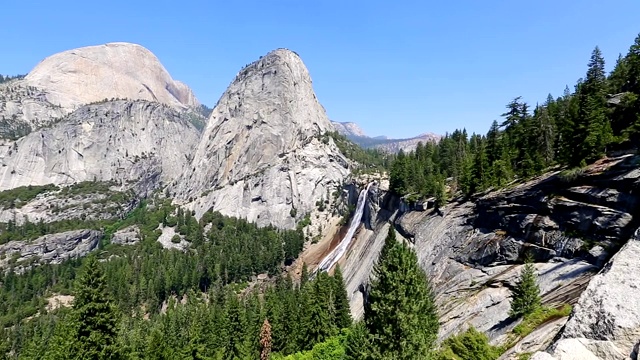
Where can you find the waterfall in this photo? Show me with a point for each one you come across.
(337, 253)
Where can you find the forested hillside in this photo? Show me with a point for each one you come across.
(600, 115)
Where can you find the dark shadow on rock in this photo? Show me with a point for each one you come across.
(502, 324)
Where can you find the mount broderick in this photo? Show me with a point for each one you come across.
(354, 133)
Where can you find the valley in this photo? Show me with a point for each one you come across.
(136, 223)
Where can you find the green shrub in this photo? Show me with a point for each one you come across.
(539, 317)
(306, 221)
(332, 349)
(176, 239)
(470, 345)
(571, 175)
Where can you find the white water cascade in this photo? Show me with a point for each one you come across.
(337, 253)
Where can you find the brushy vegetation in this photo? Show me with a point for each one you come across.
(469, 345)
(18, 197)
(332, 349)
(570, 175)
(540, 316)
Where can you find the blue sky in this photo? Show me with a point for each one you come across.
(397, 68)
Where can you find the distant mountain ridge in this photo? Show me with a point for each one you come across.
(354, 133)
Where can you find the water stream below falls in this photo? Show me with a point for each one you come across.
(332, 258)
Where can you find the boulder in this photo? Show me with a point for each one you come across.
(127, 236)
(608, 310)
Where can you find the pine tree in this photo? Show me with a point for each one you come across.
(155, 345)
(526, 294)
(594, 131)
(95, 316)
(480, 172)
(304, 276)
(619, 76)
(400, 313)
(357, 344)
(545, 134)
(493, 148)
(342, 311)
(63, 344)
(399, 174)
(440, 195)
(632, 61)
(4, 344)
(265, 340)
(318, 322)
(235, 325)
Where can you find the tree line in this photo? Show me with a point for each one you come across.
(223, 323)
(600, 115)
(7, 78)
(229, 321)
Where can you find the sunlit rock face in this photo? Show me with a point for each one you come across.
(263, 155)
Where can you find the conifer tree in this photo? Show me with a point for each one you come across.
(63, 344)
(526, 294)
(275, 311)
(318, 322)
(4, 344)
(235, 325)
(265, 340)
(619, 76)
(95, 316)
(441, 195)
(357, 344)
(155, 345)
(342, 311)
(480, 174)
(493, 148)
(400, 313)
(545, 135)
(632, 61)
(594, 131)
(304, 276)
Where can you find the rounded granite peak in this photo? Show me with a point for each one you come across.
(114, 70)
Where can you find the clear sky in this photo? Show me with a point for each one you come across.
(397, 68)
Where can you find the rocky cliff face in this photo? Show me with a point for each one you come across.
(605, 323)
(473, 253)
(48, 249)
(126, 141)
(24, 108)
(263, 155)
